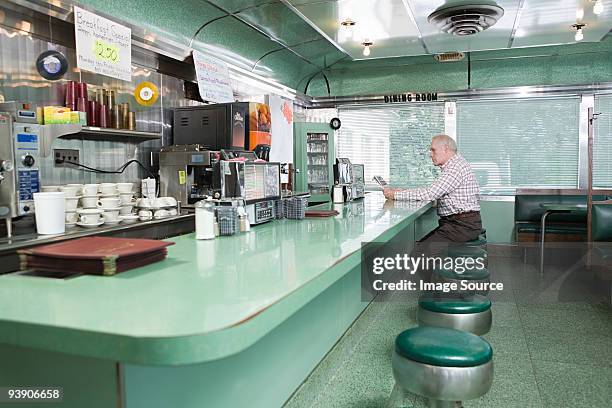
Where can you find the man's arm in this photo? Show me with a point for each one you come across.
(443, 185)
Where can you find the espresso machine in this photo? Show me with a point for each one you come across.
(358, 181)
(19, 159)
(189, 173)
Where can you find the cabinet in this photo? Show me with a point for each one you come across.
(314, 156)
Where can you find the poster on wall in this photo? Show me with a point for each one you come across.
(213, 78)
(281, 110)
(102, 45)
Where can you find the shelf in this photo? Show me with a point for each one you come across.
(75, 131)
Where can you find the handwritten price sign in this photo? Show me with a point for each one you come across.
(103, 46)
(106, 52)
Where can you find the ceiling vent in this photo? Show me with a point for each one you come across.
(449, 57)
(467, 19)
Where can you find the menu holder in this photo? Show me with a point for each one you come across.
(94, 255)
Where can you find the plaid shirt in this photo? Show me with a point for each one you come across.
(456, 189)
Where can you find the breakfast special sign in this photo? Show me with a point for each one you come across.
(102, 45)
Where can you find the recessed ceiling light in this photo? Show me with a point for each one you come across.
(598, 7)
(366, 47)
(579, 34)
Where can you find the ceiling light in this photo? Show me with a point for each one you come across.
(348, 25)
(598, 7)
(366, 47)
(579, 34)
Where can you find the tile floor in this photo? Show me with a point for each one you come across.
(552, 347)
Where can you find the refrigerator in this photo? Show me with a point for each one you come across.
(314, 156)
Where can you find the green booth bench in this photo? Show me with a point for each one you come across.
(235, 321)
(560, 227)
(601, 255)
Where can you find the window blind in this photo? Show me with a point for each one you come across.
(391, 141)
(520, 142)
(602, 142)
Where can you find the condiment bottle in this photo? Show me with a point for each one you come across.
(205, 219)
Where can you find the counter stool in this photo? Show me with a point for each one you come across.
(480, 242)
(466, 251)
(474, 275)
(470, 314)
(444, 365)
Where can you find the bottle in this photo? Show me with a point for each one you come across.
(205, 219)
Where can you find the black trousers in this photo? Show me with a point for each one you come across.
(451, 230)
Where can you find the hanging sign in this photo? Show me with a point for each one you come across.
(213, 78)
(102, 46)
(416, 97)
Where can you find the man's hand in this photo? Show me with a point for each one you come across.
(389, 193)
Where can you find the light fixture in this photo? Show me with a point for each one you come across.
(366, 47)
(348, 24)
(579, 34)
(598, 7)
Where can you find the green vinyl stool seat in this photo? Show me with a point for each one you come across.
(474, 275)
(466, 251)
(469, 314)
(444, 365)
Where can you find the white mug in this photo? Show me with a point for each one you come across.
(125, 187)
(90, 189)
(72, 217)
(161, 214)
(108, 188)
(111, 216)
(126, 209)
(71, 191)
(89, 201)
(126, 198)
(145, 215)
(90, 216)
(109, 202)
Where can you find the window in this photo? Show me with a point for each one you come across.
(602, 142)
(391, 141)
(520, 142)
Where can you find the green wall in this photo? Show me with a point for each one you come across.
(583, 63)
(498, 219)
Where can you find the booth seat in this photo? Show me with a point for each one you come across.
(602, 242)
(559, 226)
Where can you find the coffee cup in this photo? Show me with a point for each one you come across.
(71, 217)
(108, 188)
(111, 216)
(90, 189)
(172, 212)
(71, 191)
(145, 215)
(49, 189)
(126, 198)
(109, 202)
(71, 203)
(90, 216)
(89, 201)
(126, 209)
(125, 187)
(161, 214)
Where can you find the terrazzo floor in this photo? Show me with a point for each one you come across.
(551, 339)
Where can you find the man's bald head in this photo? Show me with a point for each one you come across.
(442, 149)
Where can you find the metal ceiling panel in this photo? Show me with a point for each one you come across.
(386, 23)
(550, 21)
(401, 27)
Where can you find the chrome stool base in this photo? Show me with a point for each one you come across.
(476, 323)
(442, 386)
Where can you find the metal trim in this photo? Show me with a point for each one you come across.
(493, 93)
(588, 101)
(475, 323)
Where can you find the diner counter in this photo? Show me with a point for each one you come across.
(207, 300)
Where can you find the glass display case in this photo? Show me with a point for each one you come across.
(314, 157)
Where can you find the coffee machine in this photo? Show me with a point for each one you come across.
(189, 173)
(358, 181)
(19, 159)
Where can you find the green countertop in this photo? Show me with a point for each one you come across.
(207, 300)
